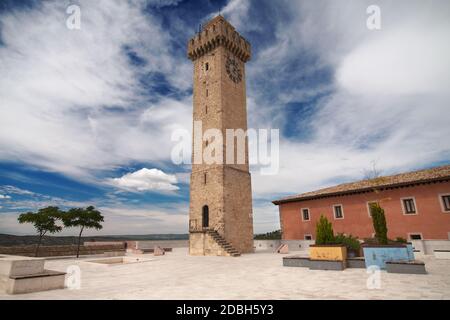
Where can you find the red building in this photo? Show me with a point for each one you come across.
(416, 204)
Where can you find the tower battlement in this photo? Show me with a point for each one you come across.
(218, 32)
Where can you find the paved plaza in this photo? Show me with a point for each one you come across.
(177, 275)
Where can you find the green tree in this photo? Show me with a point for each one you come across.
(44, 221)
(324, 231)
(88, 218)
(379, 223)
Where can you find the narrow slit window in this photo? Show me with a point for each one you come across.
(204, 178)
(305, 214)
(206, 109)
(207, 66)
(446, 202)
(409, 206)
(207, 92)
(338, 213)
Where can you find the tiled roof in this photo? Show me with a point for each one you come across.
(397, 180)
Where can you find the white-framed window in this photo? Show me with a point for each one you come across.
(306, 216)
(444, 200)
(368, 207)
(415, 236)
(338, 211)
(409, 206)
(308, 237)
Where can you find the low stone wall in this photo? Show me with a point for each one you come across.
(55, 251)
(272, 245)
(428, 246)
(102, 243)
(150, 244)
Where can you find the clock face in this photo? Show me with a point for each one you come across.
(233, 70)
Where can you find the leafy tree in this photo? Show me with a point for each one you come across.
(324, 231)
(88, 218)
(44, 221)
(379, 223)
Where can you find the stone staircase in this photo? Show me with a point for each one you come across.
(224, 244)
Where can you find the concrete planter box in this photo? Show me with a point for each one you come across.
(378, 255)
(328, 252)
(296, 261)
(408, 267)
(410, 249)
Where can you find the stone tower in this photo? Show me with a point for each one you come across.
(220, 212)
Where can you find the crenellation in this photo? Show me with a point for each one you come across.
(218, 32)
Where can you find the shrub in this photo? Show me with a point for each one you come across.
(349, 241)
(324, 231)
(379, 223)
(400, 240)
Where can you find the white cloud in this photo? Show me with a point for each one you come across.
(59, 87)
(14, 190)
(4, 196)
(146, 180)
(236, 12)
(388, 98)
(409, 60)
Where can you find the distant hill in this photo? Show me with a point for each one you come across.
(274, 235)
(7, 240)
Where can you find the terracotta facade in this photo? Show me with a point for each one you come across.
(429, 221)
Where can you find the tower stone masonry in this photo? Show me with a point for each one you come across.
(220, 212)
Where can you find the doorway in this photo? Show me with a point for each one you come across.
(205, 217)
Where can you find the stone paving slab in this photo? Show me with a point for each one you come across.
(177, 275)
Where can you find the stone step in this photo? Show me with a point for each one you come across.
(224, 244)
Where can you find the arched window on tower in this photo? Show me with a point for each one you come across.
(205, 217)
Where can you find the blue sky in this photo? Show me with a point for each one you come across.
(86, 116)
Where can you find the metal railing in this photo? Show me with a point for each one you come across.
(195, 225)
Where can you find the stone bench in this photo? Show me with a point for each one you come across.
(306, 262)
(326, 265)
(441, 254)
(296, 261)
(147, 250)
(407, 267)
(25, 275)
(356, 262)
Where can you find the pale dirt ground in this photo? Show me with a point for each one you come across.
(253, 276)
